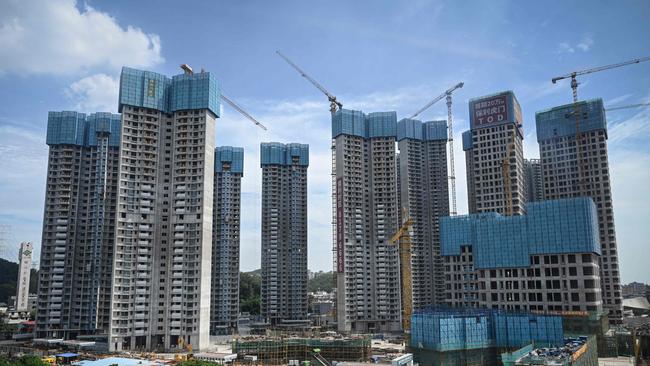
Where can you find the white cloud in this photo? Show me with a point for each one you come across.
(56, 37)
(95, 93)
(564, 47)
(585, 44)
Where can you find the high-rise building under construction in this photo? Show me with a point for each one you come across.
(224, 303)
(573, 170)
(495, 138)
(365, 217)
(163, 237)
(284, 232)
(74, 284)
(533, 174)
(424, 194)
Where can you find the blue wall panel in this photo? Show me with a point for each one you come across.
(148, 89)
(275, 153)
(231, 155)
(452, 329)
(556, 226)
(74, 128)
(561, 121)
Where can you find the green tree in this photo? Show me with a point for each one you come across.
(249, 292)
(323, 281)
(23, 361)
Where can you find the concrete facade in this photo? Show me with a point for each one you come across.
(533, 174)
(365, 216)
(224, 303)
(284, 232)
(495, 123)
(424, 193)
(74, 284)
(163, 236)
(24, 271)
(564, 177)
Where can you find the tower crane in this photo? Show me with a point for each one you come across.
(188, 70)
(578, 112)
(640, 105)
(403, 238)
(450, 125)
(334, 104)
(243, 112)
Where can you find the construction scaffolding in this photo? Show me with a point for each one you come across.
(456, 329)
(278, 351)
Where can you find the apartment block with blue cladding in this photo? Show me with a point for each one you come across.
(284, 232)
(547, 259)
(417, 130)
(276, 153)
(226, 211)
(366, 199)
(165, 204)
(148, 89)
(560, 121)
(230, 157)
(77, 246)
(356, 123)
(423, 192)
(75, 128)
(565, 174)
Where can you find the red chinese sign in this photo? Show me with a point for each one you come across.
(491, 110)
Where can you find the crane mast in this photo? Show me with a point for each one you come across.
(505, 172)
(450, 130)
(452, 169)
(334, 104)
(402, 238)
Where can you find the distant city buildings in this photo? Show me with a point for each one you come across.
(636, 289)
(533, 174)
(495, 135)
(365, 217)
(163, 237)
(284, 232)
(224, 304)
(564, 175)
(24, 272)
(545, 260)
(424, 194)
(74, 285)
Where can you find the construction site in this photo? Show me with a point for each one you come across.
(280, 350)
(454, 336)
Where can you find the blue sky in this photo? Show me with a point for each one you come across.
(374, 55)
